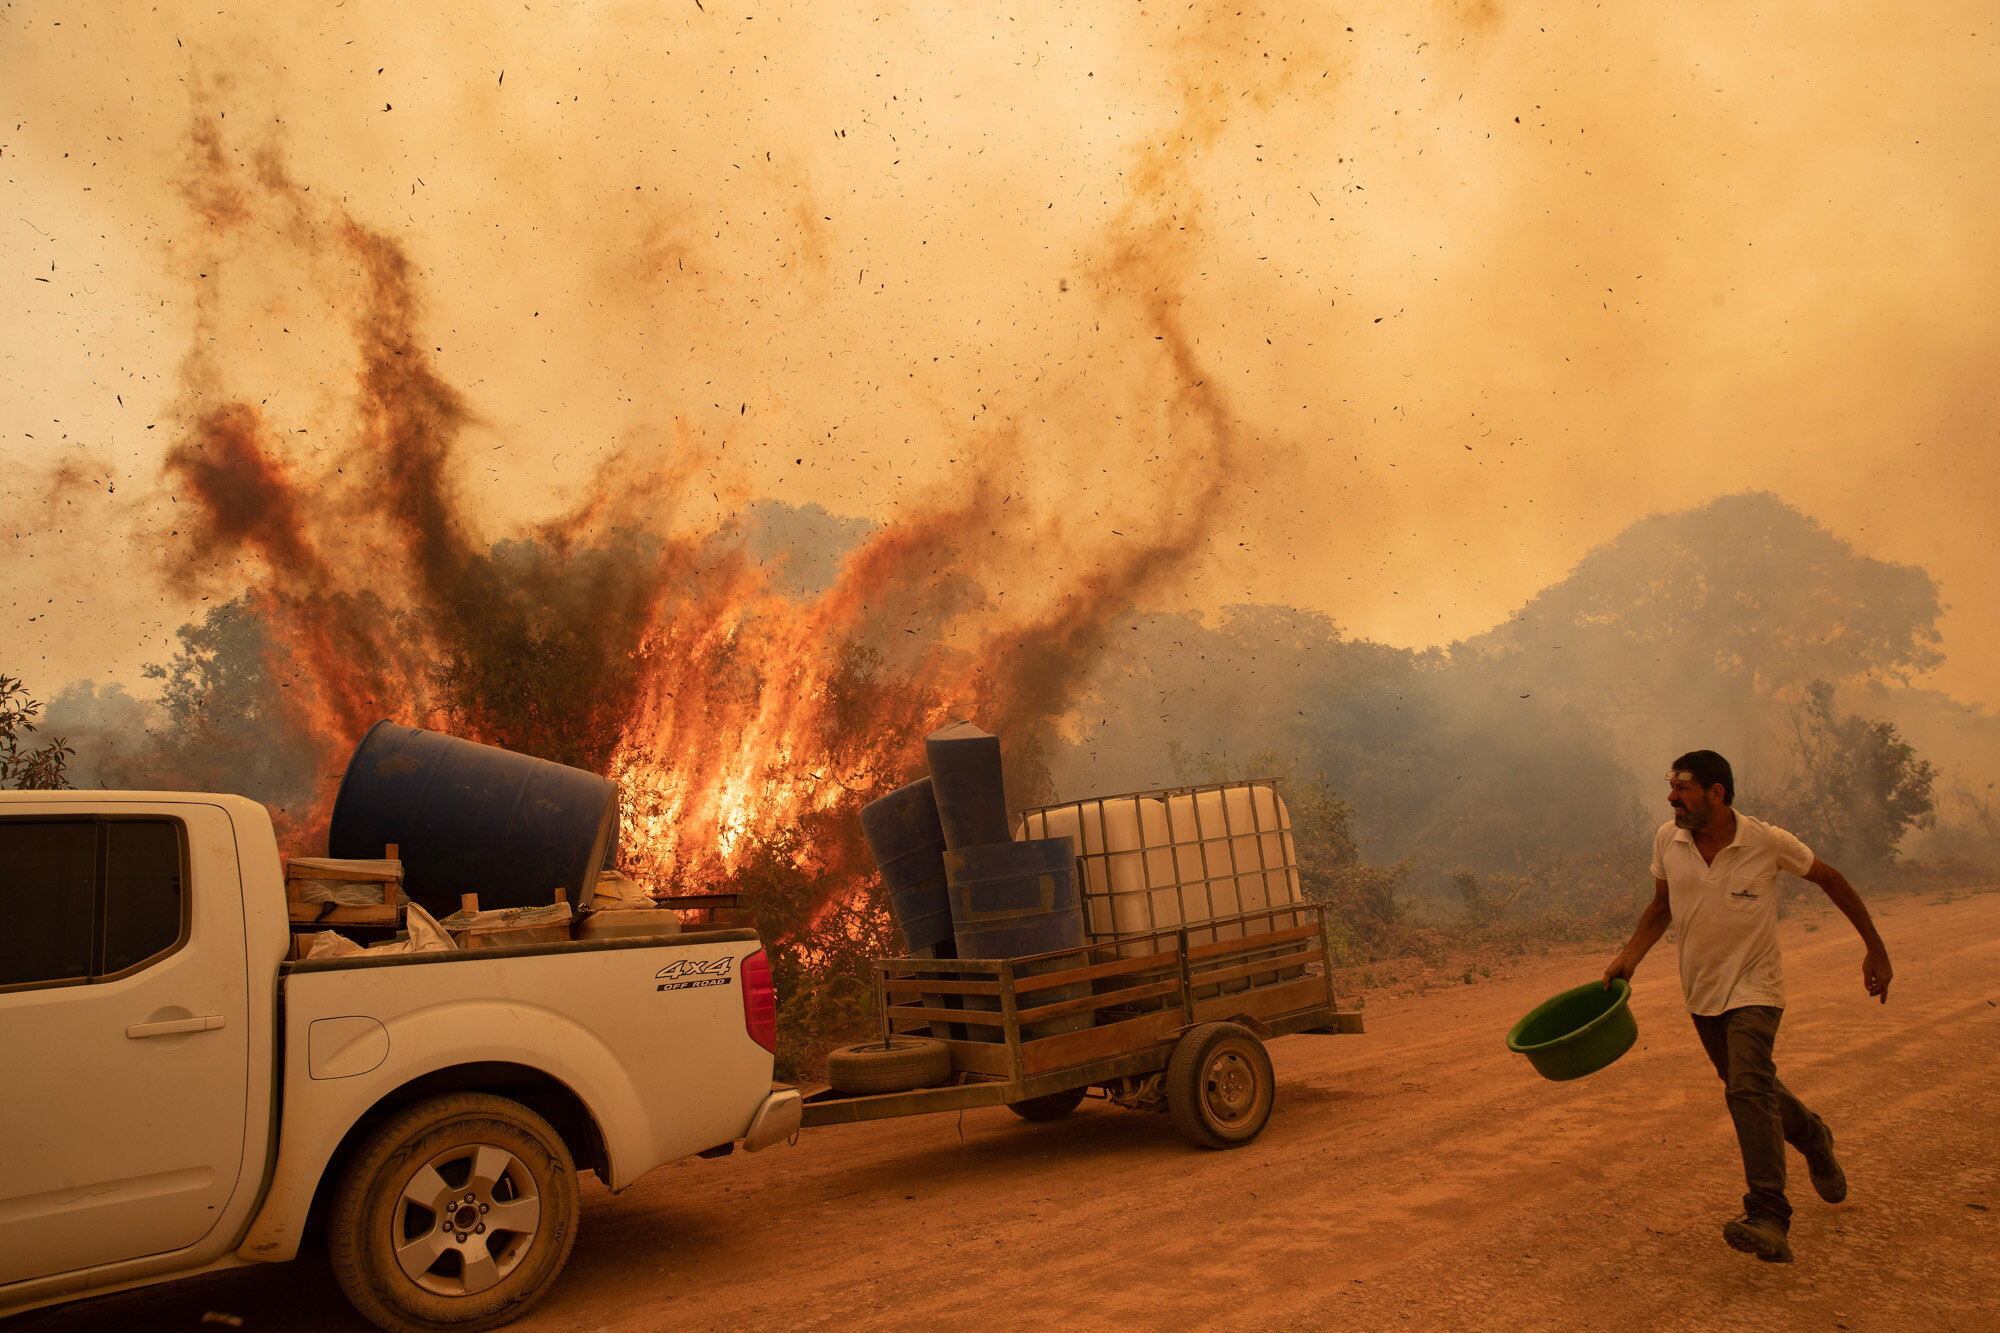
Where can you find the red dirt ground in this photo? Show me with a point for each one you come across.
(1418, 1176)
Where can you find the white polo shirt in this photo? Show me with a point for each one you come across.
(1727, 913)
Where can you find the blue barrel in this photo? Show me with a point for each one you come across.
(965, 778)
(1011, 899)
(908, 845)
(473, 818)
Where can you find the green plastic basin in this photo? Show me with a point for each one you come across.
(1577, 1032)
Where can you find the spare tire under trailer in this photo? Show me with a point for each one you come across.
(894, 1064)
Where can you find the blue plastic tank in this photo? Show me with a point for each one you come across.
(965, 779)
(907, 842)
(1012, 899)
(473, 818)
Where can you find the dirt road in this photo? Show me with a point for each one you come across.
(1419, 1176)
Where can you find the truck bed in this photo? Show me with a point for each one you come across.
(631, 1027)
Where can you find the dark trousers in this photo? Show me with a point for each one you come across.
(1767, 1116)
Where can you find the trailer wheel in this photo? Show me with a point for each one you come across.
(1219, 1085)
(901, 1063)
(456, 1214)
(1049, 1106)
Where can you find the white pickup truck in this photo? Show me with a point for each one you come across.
(176, 1098)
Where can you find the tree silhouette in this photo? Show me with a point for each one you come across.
(39, 769)
(1744, 599)
(1854, 787)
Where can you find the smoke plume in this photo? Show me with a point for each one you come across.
(632, 633)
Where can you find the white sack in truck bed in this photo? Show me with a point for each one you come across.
(503, 927)
(425, 936)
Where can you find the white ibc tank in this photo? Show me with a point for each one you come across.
(1158, 860)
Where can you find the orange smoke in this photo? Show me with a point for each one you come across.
(733, 715)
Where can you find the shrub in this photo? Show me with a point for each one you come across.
(39, 769)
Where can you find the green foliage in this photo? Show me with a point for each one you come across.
(1484, 905)
(1968, 826)
(219, 678)
(1439, 761)
(1854, 787)
(223, 720)
(1744, 597)
(822, 926)
(811, 885)
(539, 655)
(1588, 894)
(1368, 901)
(41, 768)
(1517, 755)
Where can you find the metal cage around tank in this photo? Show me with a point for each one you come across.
(1177, 857)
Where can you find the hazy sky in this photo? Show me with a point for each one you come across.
(1479, 284)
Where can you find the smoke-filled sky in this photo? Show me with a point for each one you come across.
(1477, 285)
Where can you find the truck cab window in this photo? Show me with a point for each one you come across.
(47, 886)
(142, 892)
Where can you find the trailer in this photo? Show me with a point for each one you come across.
(1172, 1020)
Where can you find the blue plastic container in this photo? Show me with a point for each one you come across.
(472, 818)
(907, 842)
(908, 845)
(965, 779)
(1012, 899)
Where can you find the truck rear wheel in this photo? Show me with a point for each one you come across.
(456, 1214)
(1219, 1085)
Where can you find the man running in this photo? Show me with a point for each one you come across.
(1715, 877)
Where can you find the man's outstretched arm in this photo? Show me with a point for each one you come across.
(1653, 923)
(1875, 970)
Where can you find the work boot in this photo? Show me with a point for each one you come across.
(1824, 1167)
(1758, 1234)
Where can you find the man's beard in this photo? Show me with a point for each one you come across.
(1690, 820)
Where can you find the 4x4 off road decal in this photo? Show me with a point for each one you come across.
(686, 973)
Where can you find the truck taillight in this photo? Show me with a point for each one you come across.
(760, 1001)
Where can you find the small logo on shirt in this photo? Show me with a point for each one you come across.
(1743, 895)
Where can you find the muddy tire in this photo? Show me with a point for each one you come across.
(902, 1063)
(1219, 1085)
(456, 1214)
(1049, 1106)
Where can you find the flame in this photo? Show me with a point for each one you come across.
(735, 717)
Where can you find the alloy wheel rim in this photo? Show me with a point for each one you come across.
(465, 1219)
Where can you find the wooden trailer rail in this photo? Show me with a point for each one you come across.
(1272, 979)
